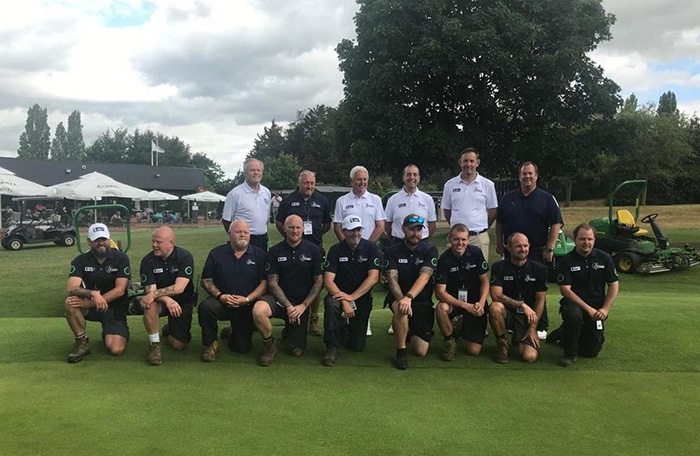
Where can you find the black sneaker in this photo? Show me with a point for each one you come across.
(401, 361)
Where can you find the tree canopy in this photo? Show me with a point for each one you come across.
(35, 141)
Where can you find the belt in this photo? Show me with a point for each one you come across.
(476, 233)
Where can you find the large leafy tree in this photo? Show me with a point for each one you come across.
(75, 145)
(268, 144)
(35, 141)
(59, 145)
(427, 77)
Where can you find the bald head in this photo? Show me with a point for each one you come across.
(163, 241)
(293, 229)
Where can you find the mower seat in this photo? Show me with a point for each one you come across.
(625, 222)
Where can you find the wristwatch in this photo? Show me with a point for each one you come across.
(549, 249)
(410, 296)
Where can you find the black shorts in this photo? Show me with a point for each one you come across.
(517, 322)
(179, 327)
(113, 320)
(294, 335)
(422, 322)
(473, 328)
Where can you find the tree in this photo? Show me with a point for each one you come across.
(35, 141)
(268, 144)
(214, 177)
(59, 145)
(667, 104)
(74, 138)
(631, 103)
(281, 172)
(112, 146)
(427, 77)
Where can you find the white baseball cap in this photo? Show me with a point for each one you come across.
(352, 222)
(97, 231)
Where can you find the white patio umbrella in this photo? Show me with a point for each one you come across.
(13, 185)
(155, 195)
(203, 197)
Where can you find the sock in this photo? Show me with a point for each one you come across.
(268, 339)
(82, 336)
(154, 338)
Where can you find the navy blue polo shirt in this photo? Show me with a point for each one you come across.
(102, 277)
(296, 267)
(409, 263)
(587, 276)
(351, 267)
(531, 215)
(162, 272)
(315, 210)
(231, 275)
(520, 282)
(462, 272)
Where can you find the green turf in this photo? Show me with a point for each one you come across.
(641, 396)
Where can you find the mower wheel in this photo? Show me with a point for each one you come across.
(13, 243)
(627, 262)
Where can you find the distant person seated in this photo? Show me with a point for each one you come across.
(116, 219)
(171, 217)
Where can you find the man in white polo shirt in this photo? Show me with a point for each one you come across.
(409, 200)
(359, 201)
(250, 202)
(470, 199)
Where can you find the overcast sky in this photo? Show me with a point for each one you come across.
(214, 72)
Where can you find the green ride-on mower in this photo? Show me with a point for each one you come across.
(633, 248)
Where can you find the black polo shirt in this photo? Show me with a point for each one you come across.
(102, 277)
(462, 272)
(351, 267)
(231, 275)
(162, 272)
(531, 215)
(409, 263)
(296, 267)
(520, 282)
(587, 276)
(315, 210)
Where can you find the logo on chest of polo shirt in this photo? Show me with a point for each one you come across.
(477, 190)
(529, 279)
(343, 259)
(402, 205)
(158, 271)
(303, 257)
(361, 259)
(508, 278)
(454, 269)
(280, 259)
(89, 269)
(369, 205)
(249, 261)
(597, 266)
(456, 190)
(350, 206)
(266, 200)
(469, 266)
(403, 260)
(418, 261)
(110, 269)
(315, 204)
(575, 268)
(295, 204)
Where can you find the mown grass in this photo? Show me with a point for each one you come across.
(640, 396)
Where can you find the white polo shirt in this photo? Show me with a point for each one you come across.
(368, 207)
(243, 203)
(469, 202)
(401, 204)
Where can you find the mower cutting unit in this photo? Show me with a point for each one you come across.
(633, 248)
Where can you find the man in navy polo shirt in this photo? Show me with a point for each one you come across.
(409, 271)
(462, 286)
(294, 279)
(351, 270)
(518, 291)
(313, 209)
(166, 274)
(97, 291)
(583, 276)
(535, 213)
(234, 278)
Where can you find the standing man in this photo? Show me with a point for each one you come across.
(314, 211)
(97, 292)
(462, 286)
(250, 202)
(295, 278)
(583, 276)
(470, 199)
(535, 213)
(234, 278)
(409, 200)
(518, 291)
(166, 275)
(351, 270)
(410, 269)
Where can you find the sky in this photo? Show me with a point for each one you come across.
(215, 72)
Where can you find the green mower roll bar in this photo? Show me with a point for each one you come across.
(103, 206)
(638, 198)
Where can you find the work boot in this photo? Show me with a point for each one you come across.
(331, 356)
(269, 352)
(80, 350)
(296, 352)
(314, 330)
(450, 349)
(209, 354)
(226, 332)
(401, 361)
(154, 355)
(457, 323)
(502, 350)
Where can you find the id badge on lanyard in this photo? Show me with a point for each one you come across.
(308, 228)
(463, 295)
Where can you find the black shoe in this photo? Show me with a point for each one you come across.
(226, 333)
(567, 361)
(401, 361)
(556, 336)
(331, 356)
